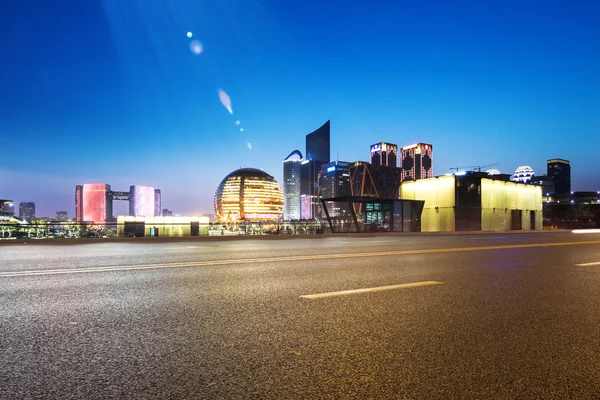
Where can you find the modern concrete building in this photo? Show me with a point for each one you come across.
(130, 226)
(475, 202)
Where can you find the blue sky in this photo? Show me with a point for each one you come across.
(109, 91)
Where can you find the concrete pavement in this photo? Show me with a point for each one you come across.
(509, 317)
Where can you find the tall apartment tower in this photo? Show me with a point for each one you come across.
(385, 154)
(27, 210)
(559, 171)
(291, 185)
(417, 162)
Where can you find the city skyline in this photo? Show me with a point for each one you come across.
(106, 93)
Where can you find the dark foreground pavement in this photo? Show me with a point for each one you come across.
(518, 318)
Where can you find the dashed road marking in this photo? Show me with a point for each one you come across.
(370, 290)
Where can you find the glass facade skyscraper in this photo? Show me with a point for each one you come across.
(27, 210)
(318, 144)
(291, 185)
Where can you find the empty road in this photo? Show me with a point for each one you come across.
(489, 316)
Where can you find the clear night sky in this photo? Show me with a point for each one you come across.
(109, 91)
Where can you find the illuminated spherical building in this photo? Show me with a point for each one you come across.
(523, 174)
(249, 194)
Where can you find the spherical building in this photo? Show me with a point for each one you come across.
(249, 194)
(523, 174)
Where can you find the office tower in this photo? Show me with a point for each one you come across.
(27, 211)
(291, 185)
(309, 186)
(335, 182)
(317, 144)
(62, 216)
(141, 201)
(157, 202)
(417, 162)
(166, 212)
(385, 154)
(95, 202)
(559, 171)
(317, 154)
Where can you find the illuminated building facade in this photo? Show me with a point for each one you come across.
(27, 210)
(96, 203)
(559, 171)
(161, 226)
(417, 162)
(291, 185)
(79, 203)
(475, 202)
(7, 208)
(62, 216)
(157, 202)
(249, 194)
(335, 182)
(523, 174)
(385, 154)
(141, 201)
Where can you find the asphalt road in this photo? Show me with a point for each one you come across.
(503, 316)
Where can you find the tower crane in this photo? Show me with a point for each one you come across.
(477, 167)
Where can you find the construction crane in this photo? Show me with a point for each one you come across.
(476, 167)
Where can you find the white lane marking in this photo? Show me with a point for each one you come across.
(488, 238)
(370, 290)
(588, 264)
(289, 258)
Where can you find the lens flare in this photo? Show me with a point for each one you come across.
(238, 122)
(241, 129)
(249, 145)
(190, 34)
(225, 100)
(196, 47)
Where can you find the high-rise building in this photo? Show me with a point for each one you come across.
(317, 154)
(79, 203)
(157, 202)
(141, 201)
(309, 189)
(291, 185)
(318, 144)
(385, 154)
(27, 210)
(417, 162)
(560, 172)
(62, 216)
(166, 212)
(335, 182)
(96, 202)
